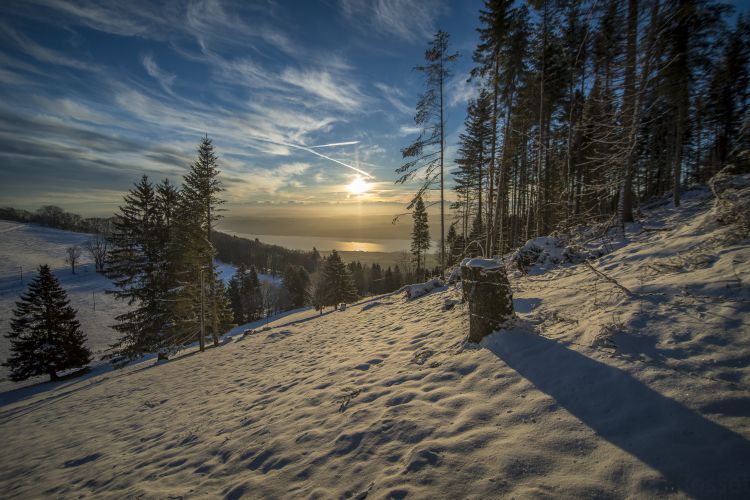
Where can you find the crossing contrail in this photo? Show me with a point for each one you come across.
(350, 143)
(310, 149)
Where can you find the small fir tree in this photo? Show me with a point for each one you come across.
(420, 236)
(45, 335)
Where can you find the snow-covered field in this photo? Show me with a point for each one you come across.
(597, 391)
(23, 247)
(226, 271)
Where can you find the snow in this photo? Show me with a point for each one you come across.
(593, 392)
(26, 246)
(226, 271)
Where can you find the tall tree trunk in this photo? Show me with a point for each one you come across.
(501, 198)
(625, 200)
(681, 93)
(489, 247)
(442, 155)
(541, 153)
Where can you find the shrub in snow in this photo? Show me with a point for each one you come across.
(490, 297)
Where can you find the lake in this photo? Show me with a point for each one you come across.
(325, 244)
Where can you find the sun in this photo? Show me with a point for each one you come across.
(358, 186)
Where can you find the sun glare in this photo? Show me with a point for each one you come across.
(358, 186)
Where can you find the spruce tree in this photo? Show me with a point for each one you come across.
(234, 295)
(336, 282)
(296, 282)
(136, 266)
(45, 336)
(200, 207)
(473, 160)
(420, 235)
(252, 302)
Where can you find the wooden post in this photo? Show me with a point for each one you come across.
(202, 339)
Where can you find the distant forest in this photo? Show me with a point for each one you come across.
(265, 258)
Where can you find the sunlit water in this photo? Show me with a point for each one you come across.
(323, 244)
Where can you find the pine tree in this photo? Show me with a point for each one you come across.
(45, 336)
(135, 266)
(376, 279)
(252, 302)
(729, 95)
(420, 235)
(428, 150)
(234, 295)
(473, 161)
(336, 284)
(200, 200)
(296, 282)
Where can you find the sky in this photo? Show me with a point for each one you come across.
(94, 94)
(294, 95)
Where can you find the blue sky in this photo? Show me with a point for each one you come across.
(96, 93)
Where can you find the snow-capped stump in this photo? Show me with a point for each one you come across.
(486, 287)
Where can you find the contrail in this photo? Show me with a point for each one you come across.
(310, 150)
(334, 144)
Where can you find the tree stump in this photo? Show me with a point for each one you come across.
(486, 288)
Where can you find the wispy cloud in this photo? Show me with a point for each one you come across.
(408, 130)
(321, 84)
(40, 52)
(394, 96)
(460, 90)
(164, 78)
(410, 20)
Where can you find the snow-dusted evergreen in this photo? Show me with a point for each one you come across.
(45, 336)
(141, 266)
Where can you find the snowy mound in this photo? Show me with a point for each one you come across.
(539, 255)
(420, 289)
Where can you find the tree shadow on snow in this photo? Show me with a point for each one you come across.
(696, 455)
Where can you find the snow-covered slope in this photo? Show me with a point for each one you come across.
(23, 247)
(594, 392)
